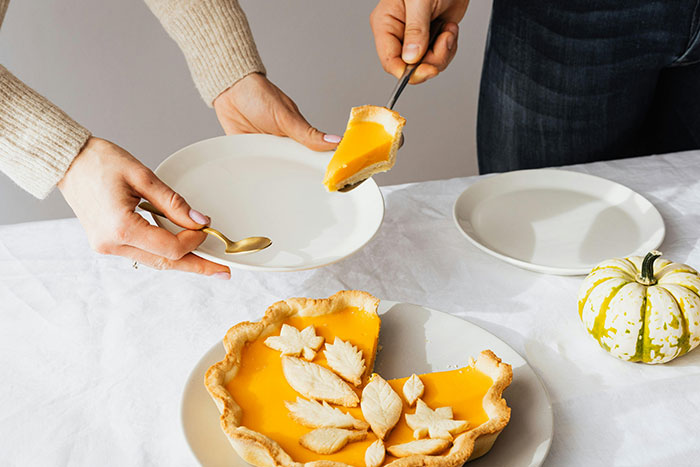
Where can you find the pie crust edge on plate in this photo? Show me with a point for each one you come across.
(258, 449)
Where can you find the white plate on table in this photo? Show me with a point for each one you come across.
(262, 185)
(413, 339)
(556, 221)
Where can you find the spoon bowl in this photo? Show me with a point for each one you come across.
(245, 245)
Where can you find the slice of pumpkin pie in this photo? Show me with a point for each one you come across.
(369, 146)
(279, 408)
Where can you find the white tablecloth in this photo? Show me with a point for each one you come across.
(94, 354)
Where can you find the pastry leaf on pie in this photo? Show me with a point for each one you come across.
(293, 342)
(316, 382)
(375, 454)
(313, 414)
(413, 389)
(436, 423)
(330, 440)
(346, 360)
(424, 447)
(381, 406)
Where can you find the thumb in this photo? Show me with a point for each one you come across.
(417, 31)
(170, 203)
(297, 128)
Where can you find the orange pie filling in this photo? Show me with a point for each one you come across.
(260, 388)
(364, 144)
(368, 146)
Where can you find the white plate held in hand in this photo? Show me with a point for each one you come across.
(556, 221)
(413, 339)
(262, 185)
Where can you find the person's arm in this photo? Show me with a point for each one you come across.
(38, 141)
(218, 45)
(401, 29)
(41, 147)
(215, 38)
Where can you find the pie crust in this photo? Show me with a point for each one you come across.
(258, 449)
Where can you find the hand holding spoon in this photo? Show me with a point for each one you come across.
(246, 245)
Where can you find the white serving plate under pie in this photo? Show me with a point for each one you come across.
(263, 185)
(413, 339)
(557, 221)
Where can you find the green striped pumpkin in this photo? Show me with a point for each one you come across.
(642, 310)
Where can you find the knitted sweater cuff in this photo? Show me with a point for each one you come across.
(216, 39)
(38, 141)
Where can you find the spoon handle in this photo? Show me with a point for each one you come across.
(146, 206)
(217, 234)
(435, 30)
(247, 245)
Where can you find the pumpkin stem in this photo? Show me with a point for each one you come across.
(646, 276)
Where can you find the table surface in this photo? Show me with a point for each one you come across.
(94, 354)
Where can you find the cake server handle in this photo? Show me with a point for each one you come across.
(435, 30)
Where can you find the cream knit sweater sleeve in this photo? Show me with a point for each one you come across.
(216, 39)
(38, 141)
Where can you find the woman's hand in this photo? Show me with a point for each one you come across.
(401, 29)
(104, 185)
(255, 105)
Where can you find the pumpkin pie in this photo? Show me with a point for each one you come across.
(297, 388)
(368, 146)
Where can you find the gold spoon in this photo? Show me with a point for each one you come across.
(246, 245)
(435, 30)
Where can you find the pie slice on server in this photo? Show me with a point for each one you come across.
(275, 418)
(368, 146)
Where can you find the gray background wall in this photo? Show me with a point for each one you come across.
(111, 66)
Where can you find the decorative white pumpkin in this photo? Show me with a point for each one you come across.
(642, 310)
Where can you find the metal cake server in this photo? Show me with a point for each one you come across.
(435, 30)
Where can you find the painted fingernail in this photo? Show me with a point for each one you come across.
(410, 52)
(450, 42)
(333, 139)
(199, 218)
(224, 276)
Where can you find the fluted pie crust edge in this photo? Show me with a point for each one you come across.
(258, 449)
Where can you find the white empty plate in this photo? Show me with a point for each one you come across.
(556, 221)
(413, 339)
(262, 185)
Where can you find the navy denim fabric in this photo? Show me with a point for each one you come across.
(574, 81)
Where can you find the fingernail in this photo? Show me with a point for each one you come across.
(410, 52)
(331, 139)
(224, 276)
(450, 42)
(199, 218)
